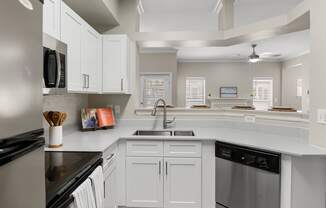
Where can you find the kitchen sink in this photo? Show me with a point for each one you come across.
(184, 133)
(152, 133)
(163, 133)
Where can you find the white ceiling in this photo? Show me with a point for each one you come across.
(183, 6)
(288, 46)
(198, 15)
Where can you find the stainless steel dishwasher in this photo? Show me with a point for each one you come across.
(246, 177)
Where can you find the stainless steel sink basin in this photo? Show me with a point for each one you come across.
(184, 133)
(152, 133)
(163, 133)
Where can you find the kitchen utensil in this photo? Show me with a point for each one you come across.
(56, 118)
(47, 118)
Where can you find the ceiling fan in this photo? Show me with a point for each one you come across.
(254, 57)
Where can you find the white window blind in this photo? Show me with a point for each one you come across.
(299, 87)
(263, 93)
(195, 91)
(154, 87)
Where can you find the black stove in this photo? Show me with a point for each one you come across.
(65, 171)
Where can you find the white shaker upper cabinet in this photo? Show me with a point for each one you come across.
(91, 57)
(117, 64)
(51, 18)
(71, 34)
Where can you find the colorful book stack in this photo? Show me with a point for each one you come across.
(97, 118)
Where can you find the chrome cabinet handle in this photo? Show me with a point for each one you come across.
(159, 167)
(87, 80)
(121, 84)
(109, 157)
(166, 168)
(84, 80)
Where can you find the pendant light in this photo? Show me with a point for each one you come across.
(254, 58)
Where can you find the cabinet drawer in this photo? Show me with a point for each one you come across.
(182, 149)
(144, 148)
(110, 155)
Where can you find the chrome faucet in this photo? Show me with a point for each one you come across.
(165, 121)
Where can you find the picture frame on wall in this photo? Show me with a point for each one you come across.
(228, 92)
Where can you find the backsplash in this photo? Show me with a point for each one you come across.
(69, 103)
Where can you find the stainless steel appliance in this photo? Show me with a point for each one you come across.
(22, 157)
(65, 171)
(246, 177)
(54, 66)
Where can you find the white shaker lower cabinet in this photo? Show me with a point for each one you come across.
(182, 184)
(110, 172)
(164, 181)
(144, 182)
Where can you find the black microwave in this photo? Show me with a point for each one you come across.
(54, 66)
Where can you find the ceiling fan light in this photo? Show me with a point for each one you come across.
(254, 58)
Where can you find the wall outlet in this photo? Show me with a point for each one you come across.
(321, 116)
(117, 109)
(250, 118)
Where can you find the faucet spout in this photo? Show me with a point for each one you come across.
(154, 111)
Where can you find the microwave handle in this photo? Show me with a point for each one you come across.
(58, 59)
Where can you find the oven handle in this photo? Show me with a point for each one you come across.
(58, 69)
(66, 203)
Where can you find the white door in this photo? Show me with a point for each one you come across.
(90, 59)
(182, 183)
(51, 17)
(114, 63)
(110, 186)
(71, 34)
(144, 182)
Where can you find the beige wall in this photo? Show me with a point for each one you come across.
(228, 74)
(69, 103)
(160, 62)
(293, 69)
(318, 70)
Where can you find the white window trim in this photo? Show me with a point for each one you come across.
(169, 74)
(194, 78)
(272, 89)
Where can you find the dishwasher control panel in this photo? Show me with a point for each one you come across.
(260, 159)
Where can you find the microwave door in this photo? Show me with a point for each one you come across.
(50, 69)
(58, 69)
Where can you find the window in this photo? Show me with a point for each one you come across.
(299, 87)
(195, 91)
(155, 86)
(263, 93)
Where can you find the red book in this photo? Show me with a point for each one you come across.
(105, 117)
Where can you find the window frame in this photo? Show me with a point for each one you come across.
(204, 90)
(169, 95)
(270, 79)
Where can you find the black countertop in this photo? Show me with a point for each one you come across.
(64, 168)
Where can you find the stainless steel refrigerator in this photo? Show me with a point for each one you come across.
(22, 183)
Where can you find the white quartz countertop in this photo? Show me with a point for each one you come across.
(99, 141)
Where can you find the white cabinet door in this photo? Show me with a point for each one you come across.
(182, 184)
(51, 17)
(71, 34)
(144, 181)
(110, 186)
(91, 59)
(115, 64)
